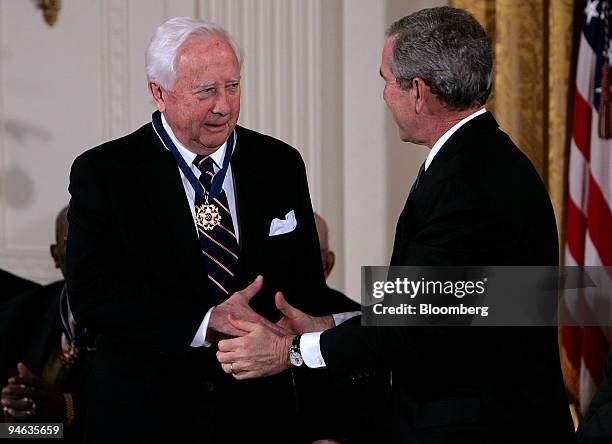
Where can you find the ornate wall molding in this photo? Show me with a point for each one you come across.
(115, 53)
(3, 165)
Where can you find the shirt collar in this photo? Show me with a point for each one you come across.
(442, 140)
(217, 156)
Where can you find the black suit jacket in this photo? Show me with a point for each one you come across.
(31, 333)
(30, 327)
(480, 202)
(596, 427)
(137, 277)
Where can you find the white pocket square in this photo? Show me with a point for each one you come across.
(283, 226)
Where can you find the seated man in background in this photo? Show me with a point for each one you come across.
(339, 301)
(40, 337)
(328, 257)
(353, 411)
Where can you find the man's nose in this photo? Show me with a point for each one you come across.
(222, 105)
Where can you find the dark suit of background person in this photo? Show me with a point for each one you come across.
(31, 333)
(596, 427)
(11, 285)
(34, 326)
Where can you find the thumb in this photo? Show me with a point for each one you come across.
(23, 371)
(240, 324)
(253, 289)
(285, 308)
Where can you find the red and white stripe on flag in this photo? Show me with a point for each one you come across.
(589, 216)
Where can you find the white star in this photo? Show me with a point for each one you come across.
(591, 10)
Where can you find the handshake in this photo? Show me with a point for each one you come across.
(257, 347)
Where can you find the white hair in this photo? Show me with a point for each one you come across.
(160, 57)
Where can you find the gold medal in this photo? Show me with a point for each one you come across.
(207, 216)
(69, 356)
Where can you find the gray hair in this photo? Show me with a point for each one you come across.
(449, 50)
(160, 57)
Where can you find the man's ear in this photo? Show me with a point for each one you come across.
(422, 92)
(54, 255)
(159, 95)
(328, 262)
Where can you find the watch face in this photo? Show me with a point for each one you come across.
(295, 359)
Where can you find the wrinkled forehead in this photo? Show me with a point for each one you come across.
(205, 48)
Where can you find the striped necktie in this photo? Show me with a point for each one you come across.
(219, 245)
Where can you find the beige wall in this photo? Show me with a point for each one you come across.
(310, 78)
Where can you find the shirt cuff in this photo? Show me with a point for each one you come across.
(339, 318)
(199, 340)
(310, 348)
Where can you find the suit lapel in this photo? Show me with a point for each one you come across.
(250, 202)
(455, 145)
(164, 196)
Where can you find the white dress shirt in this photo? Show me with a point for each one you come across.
(442, 140)
(199, 339)
(310, 345)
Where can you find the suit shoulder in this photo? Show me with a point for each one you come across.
(117, 149)
(267, 147)
(493, 155)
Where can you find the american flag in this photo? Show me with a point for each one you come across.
(589, 219)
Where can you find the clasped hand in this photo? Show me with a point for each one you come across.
(27, 396)
(262, 350)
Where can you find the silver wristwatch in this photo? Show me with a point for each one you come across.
(295, 356)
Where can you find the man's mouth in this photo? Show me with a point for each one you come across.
(216, 127)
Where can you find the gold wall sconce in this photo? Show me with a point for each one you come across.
(50, 10)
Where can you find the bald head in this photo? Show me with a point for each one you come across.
(321, 231)
(328, 257)
(58, 249)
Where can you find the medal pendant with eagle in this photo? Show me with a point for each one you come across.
(207, 216)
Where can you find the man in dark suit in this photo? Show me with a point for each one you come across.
(48, 355)
(167, 224)
(477, 201)
(338, 301)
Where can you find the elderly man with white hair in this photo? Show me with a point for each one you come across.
(173, 228)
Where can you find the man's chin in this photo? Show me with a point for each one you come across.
(214, 141)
